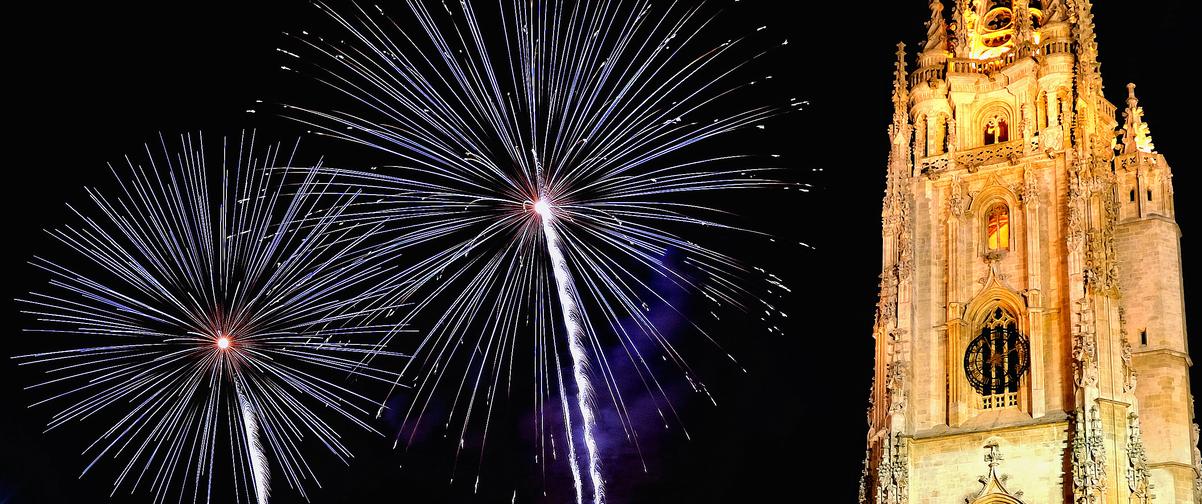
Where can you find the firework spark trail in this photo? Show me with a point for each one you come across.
(260, 473)
(566, 288)
(192, 319)
(595, 108)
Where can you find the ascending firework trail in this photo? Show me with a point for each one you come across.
(545, 176)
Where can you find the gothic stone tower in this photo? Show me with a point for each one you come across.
(1030, 333)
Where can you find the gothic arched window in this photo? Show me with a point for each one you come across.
(996, 130)
(996, 360)
(997, 227)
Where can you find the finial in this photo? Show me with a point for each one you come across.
(900, 65)
(936, 28)
(1136, 134)
(993, 457)
(901, 94)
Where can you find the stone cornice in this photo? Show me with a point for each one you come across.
(1164, 351)
(942, 432)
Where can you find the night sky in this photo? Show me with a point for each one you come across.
(88, 84)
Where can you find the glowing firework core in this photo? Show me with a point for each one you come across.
(223, 342)
(542, 208)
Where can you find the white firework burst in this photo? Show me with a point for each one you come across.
(210, 309)
(546, 166)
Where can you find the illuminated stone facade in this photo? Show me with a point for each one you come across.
(1030, 332)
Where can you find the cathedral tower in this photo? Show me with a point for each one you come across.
(1030, 333)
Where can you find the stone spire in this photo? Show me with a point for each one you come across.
(936, 28)
(1024, 31)
(1136, 136)
(960, 33)
(1089, 137)
(1081, 15)
(901, 94)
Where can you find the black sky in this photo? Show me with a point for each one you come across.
(90, 83)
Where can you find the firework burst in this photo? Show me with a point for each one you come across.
(210, 316)
(547, 166)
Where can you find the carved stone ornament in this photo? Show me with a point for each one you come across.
(958, 201)
(886, 308)
(933, 167)
(952, 138)
(1101, 261)
(1027, 126)
(1028, 189)
(1085, 346)
(1139, 479)
(994, 273)
(896, 371)
(905, 257)
(1130, 375)
(865, 476)
(1051, 139)
(871, 403)
(1076, 208)
(992, 483)
(895, 384)
(920, 138)
(1023, 27)
(1089, 458)
(1055, 11)
(893, 472)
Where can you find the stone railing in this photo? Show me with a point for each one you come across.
(934, 165)
(1001, 152)
(1056, 47)
(973, 159)
(928, 73)
(988, 66)
(984, 67)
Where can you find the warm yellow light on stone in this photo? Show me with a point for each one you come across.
(1028, 226)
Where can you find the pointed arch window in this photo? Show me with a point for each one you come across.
(997, 227)
(996, 360)
(997, 130)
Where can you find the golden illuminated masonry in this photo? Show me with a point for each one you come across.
(1030, 334)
